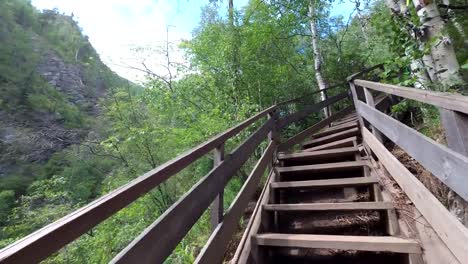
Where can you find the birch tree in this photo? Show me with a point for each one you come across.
(434, 33)
(318, 60)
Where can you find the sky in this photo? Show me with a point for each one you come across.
(116, 27)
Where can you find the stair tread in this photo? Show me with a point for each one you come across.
(355, 206)
(325, 166)
(334, 129)
(363, 243)
(324, 183)
(319, 153)
(333, 137)
(339, 143)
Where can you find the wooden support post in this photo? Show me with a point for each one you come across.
(217, 208)
(456, 130)
(370, 102)
(355, 100)
(327, 109)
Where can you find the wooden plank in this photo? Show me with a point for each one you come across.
(363, 243)
(333, 137)
(316, 127)
(447, 165)
(447, 226)
(320, 154)
(335, 129)
(445, 100)
(344, 121)
(282, 122)
(330, 206)
(371, 103)
(345, 182)
(158, 240)
(336, 166)
(47, 240)
(243, 252)
(456, 130)
(214, 249)
(217, 209)
(347, 142)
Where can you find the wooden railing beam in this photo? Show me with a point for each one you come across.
(455, 125)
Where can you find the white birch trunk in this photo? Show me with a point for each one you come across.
(455, 22)
(445, 62)
(423, 70)
(322, 84)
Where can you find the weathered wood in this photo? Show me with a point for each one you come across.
(217, 209)
(158, 241)
(214, 249)
(282, 122)
(335, 183)
(445, 100)
(306, 95)
(456, 130)
(330, 206)
(347, 142)
(331, 138)
(447, 165)
(335, 129)
(447, 226)
(319, 154)
(363, 243)
(344, 122)
(336, 166)
(42, 243)
(311, 130)
(371, 103)
(244, 249)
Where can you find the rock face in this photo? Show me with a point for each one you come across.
(35, 137)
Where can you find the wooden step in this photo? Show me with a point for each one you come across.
(357, 206)
(317, 155)
(335, 129)
(336, 166)
(342, 122)
(345, 182)
(363, 243)
(347, 142)
(330, 138)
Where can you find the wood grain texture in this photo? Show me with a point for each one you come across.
(158, 241)
(447, 226)
(331, 138)
(282, 122)
(345, 182)
(447, 165)
(335, 166)
(310, 156)
(314, 128)
(347, 142)
(47, 240)
(330, 206)
(364, 243)
(214, 249)
(445, 100)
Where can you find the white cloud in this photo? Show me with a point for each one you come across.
(115, 26)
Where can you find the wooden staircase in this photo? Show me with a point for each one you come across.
(325, 206)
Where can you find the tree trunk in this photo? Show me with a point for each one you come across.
(322, 84)
(458, 26)
(424, 69)
(445, 62)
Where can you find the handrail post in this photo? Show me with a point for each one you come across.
(217, 207)
(328, 107)
(455, 125)
(355, 100)
(370, 102)
(273, 135)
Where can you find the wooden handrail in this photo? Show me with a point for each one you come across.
(445, 100)
(299, 98)
(49, 239)
(361, 73)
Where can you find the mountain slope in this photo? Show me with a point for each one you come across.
(51, 84)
